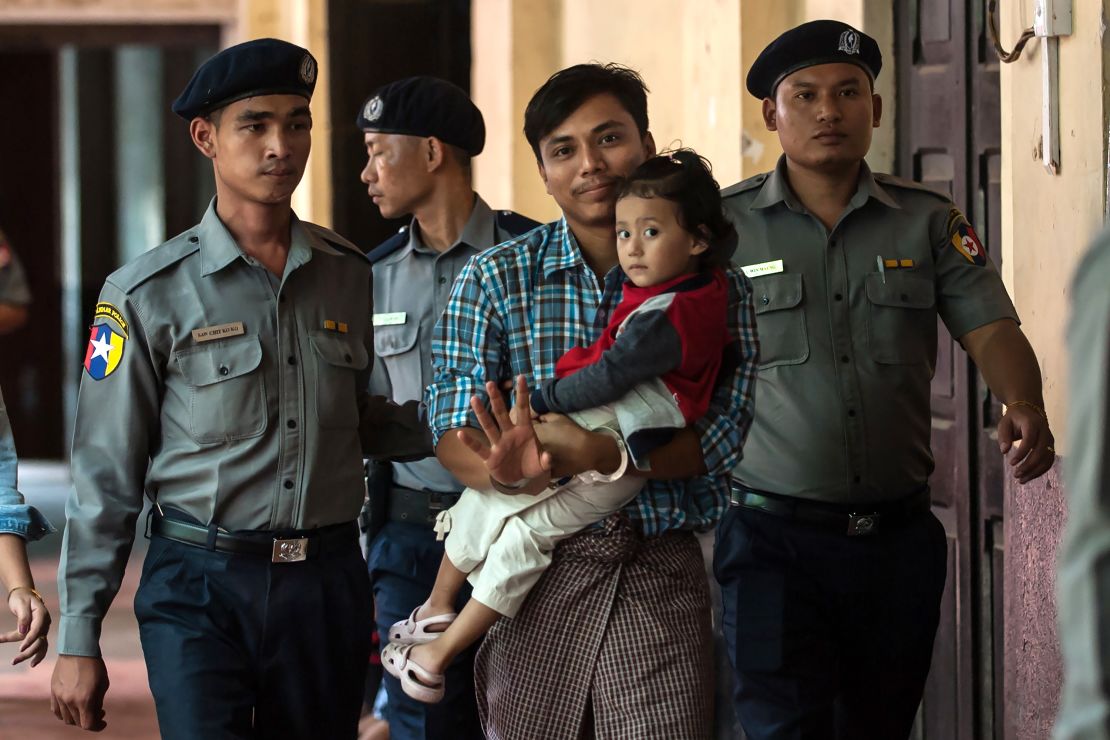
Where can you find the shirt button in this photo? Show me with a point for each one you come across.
(194, 239)
(292, 424)
(904, 297)
(764, 300)
(838, 297)
(844, 358)
(289, 484)
(851, 412)
(442, 279)
(346, 358)
(224, 370)
(857, 479)
(292, 360)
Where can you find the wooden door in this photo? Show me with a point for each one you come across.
(949, 137)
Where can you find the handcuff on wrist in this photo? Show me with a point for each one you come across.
(508, 487)
(594, 476)
(34, 593)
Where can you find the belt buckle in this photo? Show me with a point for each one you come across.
(290, 551)
(862, 524)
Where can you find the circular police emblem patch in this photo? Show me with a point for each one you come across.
(849, 42)
(308, 69)
(373, 109)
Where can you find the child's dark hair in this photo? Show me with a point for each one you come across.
(686, 178)
(566, 91)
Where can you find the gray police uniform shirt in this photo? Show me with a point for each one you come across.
(13, 281)
(847, 349)
(1084, 579)
(411, 289)
(227, 393)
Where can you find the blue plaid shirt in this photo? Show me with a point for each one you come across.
(516, 308)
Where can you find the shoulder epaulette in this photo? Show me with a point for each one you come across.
(900, 182)
(334, 239)
(147, 265)
(389, 246)
(744, 185)
(514, 223)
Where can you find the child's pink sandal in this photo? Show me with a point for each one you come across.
(413, 631)
(416, 681)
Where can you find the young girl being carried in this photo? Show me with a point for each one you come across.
(651, 372)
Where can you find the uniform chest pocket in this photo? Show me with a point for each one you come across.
(780, 320)
(398, 349)
(339, 358)
(227, 399)
(902, 323)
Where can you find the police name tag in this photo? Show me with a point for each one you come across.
(763, 268)
(390, 319)
(208, 333)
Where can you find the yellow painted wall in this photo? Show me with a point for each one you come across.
(302, 22)
(693, 56)
(1048, 221)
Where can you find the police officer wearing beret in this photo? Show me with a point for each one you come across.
(15, 296)
(420, 135)
(830, 562)
(226, 379)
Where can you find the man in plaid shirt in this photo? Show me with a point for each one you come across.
(616, 636)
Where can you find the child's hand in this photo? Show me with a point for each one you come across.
(32, 624)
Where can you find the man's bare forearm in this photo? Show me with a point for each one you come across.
(454, 455)
(1005, 358)
(682, 457)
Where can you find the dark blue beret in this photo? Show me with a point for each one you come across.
(425, 106)
(810, 44)
(258, 67)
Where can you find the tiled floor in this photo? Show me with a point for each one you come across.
(24, 692)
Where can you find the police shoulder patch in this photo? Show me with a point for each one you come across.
(964, 239)
(105, 350)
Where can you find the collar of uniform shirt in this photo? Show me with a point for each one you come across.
(218, 248)
(480, 232)
(776, 189)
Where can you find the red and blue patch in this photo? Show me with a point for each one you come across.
(104, 353)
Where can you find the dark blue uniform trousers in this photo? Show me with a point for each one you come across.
(237, 647)
(830, 636)
(403, 561)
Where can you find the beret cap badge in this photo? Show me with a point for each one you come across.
(373, 109)
(308, 69)
(849, 42)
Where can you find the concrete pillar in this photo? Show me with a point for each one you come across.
(70, 212)
(141, 217)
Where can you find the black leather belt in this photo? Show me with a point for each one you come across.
(853, 521)
(284, 546)
(418, 507)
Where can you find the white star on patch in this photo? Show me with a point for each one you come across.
(101, 348)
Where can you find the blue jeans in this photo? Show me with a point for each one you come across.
(403, 562)
(829, 636)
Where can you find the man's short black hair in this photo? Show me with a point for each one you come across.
(566, 91)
